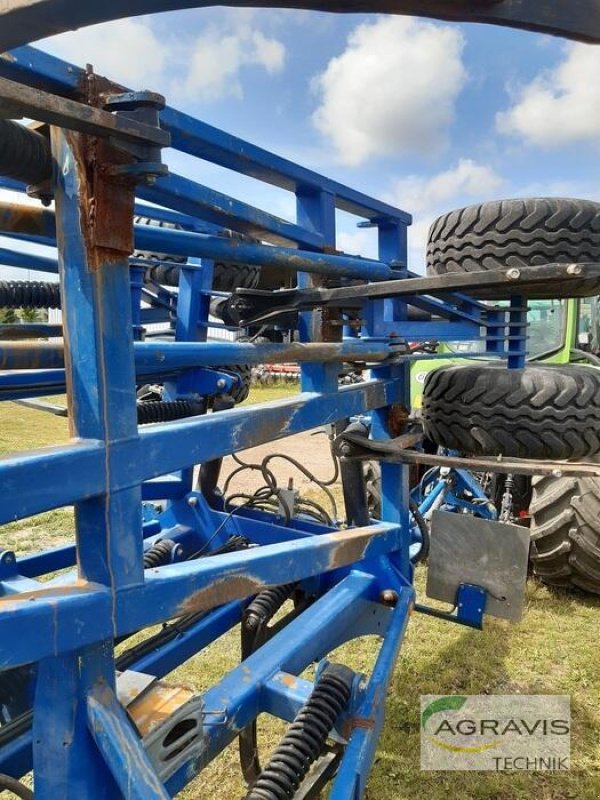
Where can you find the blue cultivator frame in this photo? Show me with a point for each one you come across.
(197, 562)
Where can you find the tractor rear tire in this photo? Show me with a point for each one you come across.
(565, 532)
(518, 233)
(539, 412)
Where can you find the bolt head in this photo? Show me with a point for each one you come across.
(573, 269)
(389, 597)
(513, 274)
(221, 383)
(192, 502)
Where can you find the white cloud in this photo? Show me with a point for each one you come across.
(359, 242)
(392, 90)
(185, 68)
(468, 179)
(560, 106)
(127, 51)
(429, 197)
(218, 58)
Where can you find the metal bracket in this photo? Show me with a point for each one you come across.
(18, 99)
(261, 306)
(470, 607)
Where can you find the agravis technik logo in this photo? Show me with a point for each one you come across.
(495, 732)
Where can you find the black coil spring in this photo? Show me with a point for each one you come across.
(159, 554)
(266, 604)
(149, 411)
(305, 738)
(29, 294)
(24, 154)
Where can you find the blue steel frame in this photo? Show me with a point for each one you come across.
(82, 744)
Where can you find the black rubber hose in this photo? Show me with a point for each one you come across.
(24, 154)
(29, 294)
(16, 787)
(305, 738)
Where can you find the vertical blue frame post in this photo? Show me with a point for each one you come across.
(98, 333)
(393, 247)
(315, 210)
(517, 332)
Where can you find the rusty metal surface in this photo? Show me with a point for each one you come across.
(20, 100)
(29, 220)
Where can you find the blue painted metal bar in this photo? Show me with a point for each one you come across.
(16, 258)
(99, 343)
(155, 358)
(284, 695)
(190, 587)
(27, 222)
(56, 614)
(32, 565)
(77, 471)
(192, 441)
(517, 340)
(120, 745)
(200, 201)
(351, 778)
(53, 621)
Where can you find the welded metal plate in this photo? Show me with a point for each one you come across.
(491, 555)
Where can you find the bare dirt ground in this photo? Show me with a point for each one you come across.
(311, 449)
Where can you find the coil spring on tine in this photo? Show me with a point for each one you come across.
(266, 604)
(150, 411)
(159, 554)
(29, 294)
(305, 738)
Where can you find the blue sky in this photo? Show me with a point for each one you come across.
(428, 116)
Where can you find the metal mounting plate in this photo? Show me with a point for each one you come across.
(492, 555)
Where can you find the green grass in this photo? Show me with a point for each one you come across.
(552, 651)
